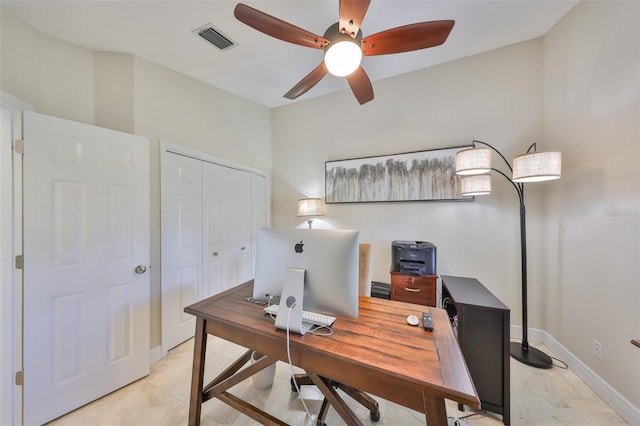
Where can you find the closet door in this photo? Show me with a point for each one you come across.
(259, 208)
(210, 216)
(181, 245)
(227, 228)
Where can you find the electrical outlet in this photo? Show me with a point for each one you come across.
(597, 349)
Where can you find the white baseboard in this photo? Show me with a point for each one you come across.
(613, 398)
(155, 355)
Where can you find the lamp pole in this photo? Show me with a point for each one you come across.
(522, 351)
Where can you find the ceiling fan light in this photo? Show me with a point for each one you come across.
(343, 58)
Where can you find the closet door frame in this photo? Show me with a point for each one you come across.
(167, 148)
(11, 299)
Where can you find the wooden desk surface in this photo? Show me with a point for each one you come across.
(378, 352)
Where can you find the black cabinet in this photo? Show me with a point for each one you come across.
(482, 323)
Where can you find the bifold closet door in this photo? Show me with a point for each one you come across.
(210, 216)
(227, 228)
(181, 234)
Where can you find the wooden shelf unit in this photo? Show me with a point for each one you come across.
(482, 324)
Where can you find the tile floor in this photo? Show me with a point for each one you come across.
(538, 397)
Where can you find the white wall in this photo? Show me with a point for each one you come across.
(130, 94)
(577, 90)
(592, 112)
(184, 111)
(494, 97)
(45, 72)
(114, 91)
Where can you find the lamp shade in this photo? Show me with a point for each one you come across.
(475, 185)
(473, 161)
(310, 207)
(537, 166)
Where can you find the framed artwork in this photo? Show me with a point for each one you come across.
(411, 176)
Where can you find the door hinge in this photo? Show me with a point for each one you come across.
(18, 146)
(19, 261)
(20, 378)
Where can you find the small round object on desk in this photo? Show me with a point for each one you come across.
(413, 320)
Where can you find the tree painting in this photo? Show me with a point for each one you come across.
(414, 176)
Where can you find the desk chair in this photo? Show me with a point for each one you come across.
(369, 403)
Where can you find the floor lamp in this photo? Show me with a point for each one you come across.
(474, 167)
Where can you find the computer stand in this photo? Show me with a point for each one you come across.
(289, 315)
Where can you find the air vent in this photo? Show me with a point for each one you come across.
(214, 36)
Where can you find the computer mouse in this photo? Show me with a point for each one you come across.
(413, 320)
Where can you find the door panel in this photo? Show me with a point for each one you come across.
(66, 326)
(181, 245)
(189, 282)
(86, 228)
(259, 208)
(215, 251)
(227, 223)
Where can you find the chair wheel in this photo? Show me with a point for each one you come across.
(374, 416)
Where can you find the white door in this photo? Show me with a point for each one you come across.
(181, 236)
(86, 230)
(227, 228)
(259, 208)
(215, 253)
(211, 211)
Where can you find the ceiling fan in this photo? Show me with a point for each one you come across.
(344, 44)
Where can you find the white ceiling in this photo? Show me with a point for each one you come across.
(261, 68)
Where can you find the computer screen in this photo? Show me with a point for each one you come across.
(328, 256)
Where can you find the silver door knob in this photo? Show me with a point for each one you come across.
(140, 269)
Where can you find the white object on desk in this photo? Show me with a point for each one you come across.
(413, 320)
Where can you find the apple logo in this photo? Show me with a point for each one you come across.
(298, 247)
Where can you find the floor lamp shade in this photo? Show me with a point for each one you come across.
(475, 185)
(473, 161)
(537, 166)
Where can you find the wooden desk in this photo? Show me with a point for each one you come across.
(377, 353)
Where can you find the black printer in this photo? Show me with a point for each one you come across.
(413, 257)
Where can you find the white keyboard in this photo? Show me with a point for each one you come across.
(309, 317)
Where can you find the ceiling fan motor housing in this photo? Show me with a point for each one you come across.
(334, 34)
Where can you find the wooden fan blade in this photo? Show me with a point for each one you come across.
(361, 85)
(308, 82)
(407, 38)
(277, 28)
(351, 15)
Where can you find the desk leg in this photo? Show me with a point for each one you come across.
(435, 410)
(197, 373)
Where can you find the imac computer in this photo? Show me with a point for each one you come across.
(329, 259)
